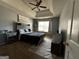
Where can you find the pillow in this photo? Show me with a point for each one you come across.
(26, 30)
(21, 31)
(29, 30)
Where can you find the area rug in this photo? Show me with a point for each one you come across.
(42, 50)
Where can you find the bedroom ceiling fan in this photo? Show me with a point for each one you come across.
(37, 5)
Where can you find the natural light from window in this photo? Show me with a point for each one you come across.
(43, 26)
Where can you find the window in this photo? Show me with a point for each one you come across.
(43, 26)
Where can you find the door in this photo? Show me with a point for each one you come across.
(72, 44)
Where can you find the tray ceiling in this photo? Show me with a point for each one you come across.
(22, 7)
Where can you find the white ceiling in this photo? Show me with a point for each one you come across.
(22, 7)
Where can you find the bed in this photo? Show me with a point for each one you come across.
(32, 37)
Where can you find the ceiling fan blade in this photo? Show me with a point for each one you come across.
(34, 8)
(38, 9)
(43, 6)
(40, 1)
(32, 4)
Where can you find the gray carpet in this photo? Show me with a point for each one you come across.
(43, 49)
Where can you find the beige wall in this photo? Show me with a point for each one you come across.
(7, 18)
(65, 16)
(25, 21)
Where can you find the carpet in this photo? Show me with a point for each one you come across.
(43, 50)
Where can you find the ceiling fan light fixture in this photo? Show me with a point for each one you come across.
(37, 5)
